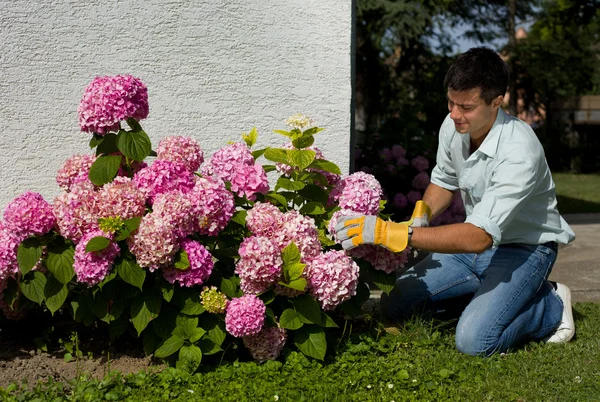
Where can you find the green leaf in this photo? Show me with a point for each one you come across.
(11, 293)
(28, 254)
(383, 281)
(327, 321)
(312, 208)
(144, 308)
(290, 254)
(289, 320)
(187, 322)
(301, 158)
(167, 290)
(108, 145)
(258, 153)
(55, 294)
(297, 284)
(276, 198)
(294, 271)
(216, 330)
(312, 131)
(287, 184)
(276, 155)
(189, 358)
(132, 223)
(191, 305)
(33, 285)
(117, 327)
(150, 341)
(197, 333)
(282, 132)
(310, 340)
(250, 138)
(322, 164)
(130, 272)
(96, 140)
(228, 287)
(134, 144)
(314, 193)
(59, 261)
(307, 308)
(111, 275)
(303, 142)
(169, 346)
(97, 243)
(104, 169)
(269, 168)
(239, 217)
(181, 260)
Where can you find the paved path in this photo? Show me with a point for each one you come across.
(578, 264)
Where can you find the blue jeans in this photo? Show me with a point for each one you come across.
(512, 301)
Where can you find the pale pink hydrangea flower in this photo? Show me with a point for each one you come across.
(263, 219)
(249, 181)
(227, 161)
(400, 201)
(181, 149)
(8, 253)
(420, 163)
(267, 344)
(259, 265)
(421, 181)
(154, 243)
(245, 316)
(381, 258)
(92, 267)
(332, 278)
(77, 212)
(74, 170)
(163, 176)
(121, 198)
(201, 265)
(214, 205)
(108, 100)
(29, 215)
(414, 196)
(360, 192)
(177, 210)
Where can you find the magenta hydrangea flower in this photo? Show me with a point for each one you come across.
(332, 278)
(29, 215)
(201, 265)
(421, 181)
(267, 344)
(420, 163)
(259, 265)
(181, 149)
(91, 268)
(74, 170)
(249, 181)
(8, 253)
(154, 243)
(214, 205)
(414, 196)
(163, 176)
(360, 192)
(400, 201)
(108, 100)
(381, 258)
(77, 212)
(177, 210)
(263, 219)
(228, 160)
(121, 198)
(245, 316)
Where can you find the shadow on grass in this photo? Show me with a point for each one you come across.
(568, 205)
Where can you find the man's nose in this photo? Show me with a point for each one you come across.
(454, 113)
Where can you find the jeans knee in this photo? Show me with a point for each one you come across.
(472, 342)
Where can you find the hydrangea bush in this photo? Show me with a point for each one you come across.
(192, 255)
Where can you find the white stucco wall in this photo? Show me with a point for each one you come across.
(213, 69)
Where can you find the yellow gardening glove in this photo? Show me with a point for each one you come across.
(421, 215)
(352, 231)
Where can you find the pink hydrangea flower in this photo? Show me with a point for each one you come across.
(360, 192)
(154, 243)
(77, 212)
(249, 181)
(8, 253)
(29, 215)
(214, 205)
(267, 344)
(245, 316)
(381, 258)
(421, 181)
(163, 176)
(263, 219)
(301, 230)
(177, 210)
(400, 201)
(201, 265)
(91, 268)
(398, 152)
(414, 196)
(121, 198)
(108, 100)
(74, 170)
(228, 160)
(332, 278)
(181, 149)
(420, 163)
(259, 265)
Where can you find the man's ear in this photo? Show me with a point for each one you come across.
(496, 103)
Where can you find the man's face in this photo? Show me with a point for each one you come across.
(470, 113)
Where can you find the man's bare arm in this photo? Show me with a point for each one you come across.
(438, 199)
(451, 239)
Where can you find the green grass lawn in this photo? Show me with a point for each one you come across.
(577, 193)
(418, 362)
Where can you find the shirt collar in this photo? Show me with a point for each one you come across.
(489, 146)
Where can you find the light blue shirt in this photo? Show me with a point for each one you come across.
(506, 185)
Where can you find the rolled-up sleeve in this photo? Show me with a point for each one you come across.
(444, 174)
(512, 183)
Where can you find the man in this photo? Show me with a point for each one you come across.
(504, 251)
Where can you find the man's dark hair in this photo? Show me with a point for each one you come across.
(479, 67)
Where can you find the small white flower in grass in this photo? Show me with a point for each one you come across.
(577, 379)
(276, 397)
(369, 386)
(414, 380)
(191, 391)
(390, 386)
